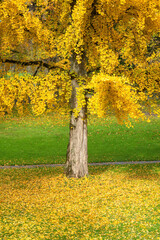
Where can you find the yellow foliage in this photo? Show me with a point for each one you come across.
(114, 94)
(114, 36)
(41, 93)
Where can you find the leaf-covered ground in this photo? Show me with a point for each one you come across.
(114, 202)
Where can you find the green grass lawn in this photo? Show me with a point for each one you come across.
(44, 140)
(114, 202)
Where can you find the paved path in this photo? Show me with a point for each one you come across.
(91, 164)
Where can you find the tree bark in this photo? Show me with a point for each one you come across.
(77, 152)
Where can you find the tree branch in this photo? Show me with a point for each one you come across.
(36, 71)
(40, 63)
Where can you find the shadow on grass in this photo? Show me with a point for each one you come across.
(144, 171)
(137, 171)
(8, 175)
(98, 170)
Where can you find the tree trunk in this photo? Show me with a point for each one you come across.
(77, 153)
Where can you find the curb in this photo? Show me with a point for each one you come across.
(90, 164)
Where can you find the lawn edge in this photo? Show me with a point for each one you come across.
(90, 164)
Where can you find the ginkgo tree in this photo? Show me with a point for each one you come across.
(97, 56)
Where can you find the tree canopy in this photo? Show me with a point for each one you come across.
(111, 37)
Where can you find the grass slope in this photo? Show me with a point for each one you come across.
(113, 142)
(44, 140)
(114, 202)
